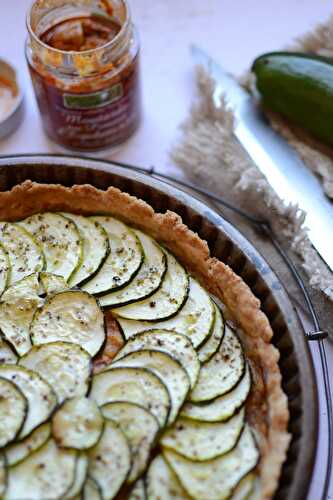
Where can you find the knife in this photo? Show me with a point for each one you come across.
(286, 173)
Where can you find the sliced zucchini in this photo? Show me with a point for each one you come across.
(3, 475)
(25, 255)
(7, 355)
(216, 478)
(162, 482)
(51, 283)
(133, 385)
(46, 473)
(175, 344)
(39, 394)
(66, 366)
(81, 470)
(17, 308)
(212, 344)
(222, 372)
(168, 369)
(77, 424)
(71, 316)
(166, 301)
(223, 407)
(59, 240)
(95, 247)
(148, 279)
(195, 319)
(140, 428)
(5, 269)
(91, 490)
(16, 452)
(13, 411)
(138, 491)
(122, 263)
(200, 441)
(244, 488)
(110, 461)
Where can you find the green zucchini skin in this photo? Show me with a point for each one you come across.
(300, 88)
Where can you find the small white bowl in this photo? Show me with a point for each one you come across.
(10, 122)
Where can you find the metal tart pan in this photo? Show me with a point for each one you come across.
(227, 244)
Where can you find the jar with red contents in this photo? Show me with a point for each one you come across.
(83, 57)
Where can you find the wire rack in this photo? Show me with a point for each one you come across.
(317, 334)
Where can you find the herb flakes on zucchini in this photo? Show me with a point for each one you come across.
(66, 366)
(77, 424)
(110, 461)
(123, 261)
(148, 279)
(13, 411)
(218, 477)
(222, 372)
(25, 255)
(70, 316)
(48, 470)
(140, 428)
(195, 318)
(60, 242)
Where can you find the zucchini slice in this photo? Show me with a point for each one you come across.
(70, 316)
(140, 428)
(138, 491)
(175, 344)
(51, 283)
(81, 470)
(3, 475)
(148, 279)
(7, 355)
(212, 344)
(123, 261)
(59, 240)
(77, 424)
(95, 247)
(16, 452)
(110, 461)
(48, 471)
(244, 488)
(216, 478)
(223, 407)
(39, 394)
(25, 255)
(168, 369)
(222, 372)
(166, 301)
(91, 490)
(162, 482)
(17, 308)
(200, 441)
(5, 269)
(13, 411)
(133, 385)
(195, 319)
(66, 366)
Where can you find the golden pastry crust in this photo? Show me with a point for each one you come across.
(267, 408)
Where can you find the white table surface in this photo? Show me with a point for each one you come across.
(233, 31)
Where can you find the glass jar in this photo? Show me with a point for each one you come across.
(89, 99)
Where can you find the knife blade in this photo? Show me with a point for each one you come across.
(275, 158)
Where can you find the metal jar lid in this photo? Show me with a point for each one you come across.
(12, 118)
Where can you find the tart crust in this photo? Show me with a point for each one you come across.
(267, 409)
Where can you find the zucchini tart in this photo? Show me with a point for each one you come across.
(133, 364)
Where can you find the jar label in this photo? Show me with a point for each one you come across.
(95, 99)
(89, 121)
